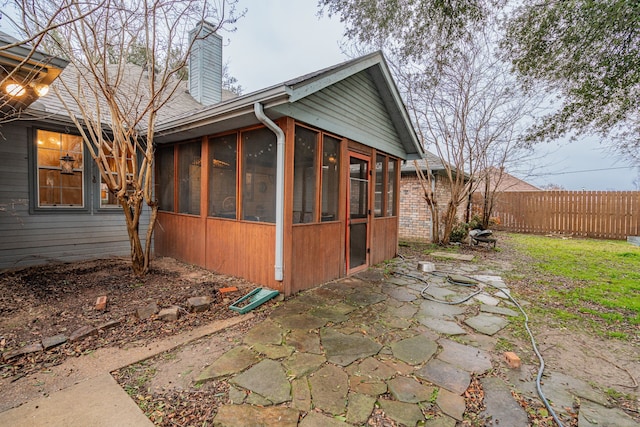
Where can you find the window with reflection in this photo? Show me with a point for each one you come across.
(304, 175)
(60, 169)
(330, 178)
(189, 177)
(107, 198)
(165, 178)
(258, 175)
(223, 154)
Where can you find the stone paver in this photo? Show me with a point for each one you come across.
(235, 360)
(451, 404)
(445, 375)
(486, 323)
(487, 299)
(409, 390)
(343, 349)
(301, 321)
(440, 311)
(450, 255)
(359, 408)
(268, 379)
(446, 327)
(305, 341)
(245, 415)
(382, 343)
(364, 298)
(300, 394)
(301, 364)
(364, 384)
(329, 388)
(266, 332)
(415, 350)
(408, 414)
(274, 351)
(330, 314)
(498, 310)
(314, 419)
(400, 293)
(594, 415)
(470, 359)
(500, 404)
(375, 368)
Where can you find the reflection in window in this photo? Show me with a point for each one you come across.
(379, 189)
(164, 179)
(107, 198)
(304, 176)
(258, 175)
(60, 169)
(391, 188)
(359, 188)
(330, 178)
(223, 153)
(189, 177)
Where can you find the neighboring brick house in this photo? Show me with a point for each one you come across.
(501, 181)
(415, 216)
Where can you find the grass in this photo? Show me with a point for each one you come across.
(603, 275)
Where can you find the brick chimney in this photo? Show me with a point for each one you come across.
(205, 65)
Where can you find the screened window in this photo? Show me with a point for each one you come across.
(189, 176)
(379, 188)
(330, 178)
(385, 186)
(304, 176)
(258, 175)
(223, 153)
(391, 187)
(60, 169)
(165, 178)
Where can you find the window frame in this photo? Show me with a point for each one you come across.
(34, 169)
(384, 194)
(320, 141)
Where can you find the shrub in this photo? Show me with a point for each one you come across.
(459, 232)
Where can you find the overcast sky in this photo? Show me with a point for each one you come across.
(281, 39)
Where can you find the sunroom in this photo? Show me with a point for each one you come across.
(291, 186)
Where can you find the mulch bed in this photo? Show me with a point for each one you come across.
(44, 301)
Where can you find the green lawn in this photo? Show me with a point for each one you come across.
(600, 277)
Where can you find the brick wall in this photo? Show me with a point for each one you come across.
(415, 216)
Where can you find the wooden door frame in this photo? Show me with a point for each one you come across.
(367, 219)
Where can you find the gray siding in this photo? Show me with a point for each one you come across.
(205, 66)
(37, 238)
(351, 108)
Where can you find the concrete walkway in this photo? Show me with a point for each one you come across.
(340, 352)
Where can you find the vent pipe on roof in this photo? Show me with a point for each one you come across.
(259, 112)
(205, 64)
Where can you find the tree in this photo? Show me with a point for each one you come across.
(588, 52)
(470, 114)
(114, 103)
(416, 28)
(465, 104)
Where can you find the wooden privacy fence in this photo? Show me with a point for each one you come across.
(598, 214)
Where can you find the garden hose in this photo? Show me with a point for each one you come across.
(526, 321)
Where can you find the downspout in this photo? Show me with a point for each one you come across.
(259, 112)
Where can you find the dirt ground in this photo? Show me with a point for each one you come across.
(44, 301)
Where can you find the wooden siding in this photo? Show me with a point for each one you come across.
(351, 108)
(64, 236)
(243, 249)
(180, 237)
(384, 239)
(317, 254)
